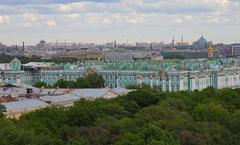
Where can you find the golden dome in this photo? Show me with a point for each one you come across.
(210, 49)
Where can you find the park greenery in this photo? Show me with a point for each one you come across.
(24, 59)
(93, 80)
(173, 56)
(142, 117)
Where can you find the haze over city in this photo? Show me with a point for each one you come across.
(101, 21)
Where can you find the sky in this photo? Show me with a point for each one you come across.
(103, 21)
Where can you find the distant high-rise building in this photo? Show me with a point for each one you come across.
(235, 50)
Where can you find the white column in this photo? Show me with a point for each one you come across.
(218, 82)
(118, 81)
(237, 78)
(170, 84)
(163, 84)
(193, 84)
(230, 81)
(181, 87)
(151, 82)
(18, 79)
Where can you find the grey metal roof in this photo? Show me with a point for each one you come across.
(51, 91)
(120, 90)
(9, 91)
(60, 98)
(95, 93)
(24, 104)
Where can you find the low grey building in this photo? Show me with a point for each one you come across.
(118, 56)
(61, 100)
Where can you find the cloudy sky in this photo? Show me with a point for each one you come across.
(105, 20)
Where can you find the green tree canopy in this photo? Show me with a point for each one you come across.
(2, 111)
(95, 80)
(142, 117)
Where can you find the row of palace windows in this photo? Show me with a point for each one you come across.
(36, 78)
(114, 77)
(166, 87)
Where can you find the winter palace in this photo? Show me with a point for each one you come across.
(167, 75)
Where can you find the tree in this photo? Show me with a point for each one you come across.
(91, 81)
(152, 134)
(84, 113)
(234, 123)
(220, 135)
(95, 80)
(19, 136)
(143, 117)
(64, 84)
(78, 141)
(40, 85)
(126, 125)
(82, 83)
(210, 112)
(230, 97)
(2, 111)
(130, 139)
(144, 97)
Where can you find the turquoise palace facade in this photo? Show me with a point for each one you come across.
(174, 75)
(166, 75)
(19, 73)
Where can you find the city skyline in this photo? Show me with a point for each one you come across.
(103, 21)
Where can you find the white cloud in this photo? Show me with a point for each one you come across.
(188, 17)
(51, 23)
(123, 8)
(73, 15)
(135, 19)
(4, 19)
(124, 15)
(223, 2)
(31, 17)
(178, 20)
(182, 19)
(80, 7)
(26, 24)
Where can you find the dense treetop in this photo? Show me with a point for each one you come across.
(143, 117)
(24, 59)
(93, 80)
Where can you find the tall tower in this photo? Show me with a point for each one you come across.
(210, 51)
(57, 43)
(23, 47)
(115, 43)
(182, 40)
(173, 41)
